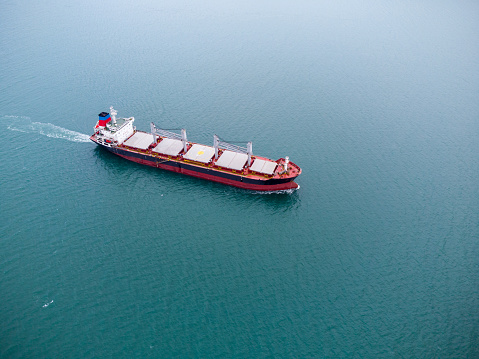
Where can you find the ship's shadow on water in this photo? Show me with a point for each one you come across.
(122, 169)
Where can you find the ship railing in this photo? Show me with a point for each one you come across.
(170, 134)
(230, 146)
(167, 133)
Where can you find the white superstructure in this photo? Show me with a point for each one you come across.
(116, 130)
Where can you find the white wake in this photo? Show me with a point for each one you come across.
(47, 304)
(23, 124)
(281, 191)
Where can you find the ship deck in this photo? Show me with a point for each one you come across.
(167, 149)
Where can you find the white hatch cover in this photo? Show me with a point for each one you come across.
(232, 160)
(200, 153)
(169, 146)
(139, 140)
(263, 166)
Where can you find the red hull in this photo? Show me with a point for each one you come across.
(249, 186)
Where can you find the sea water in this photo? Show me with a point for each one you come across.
(374, 256)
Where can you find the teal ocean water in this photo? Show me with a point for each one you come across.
(375, 256)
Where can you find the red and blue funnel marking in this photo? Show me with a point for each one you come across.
(103, 119)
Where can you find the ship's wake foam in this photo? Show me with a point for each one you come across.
(281, 191)
(24, 124)
(47, 304)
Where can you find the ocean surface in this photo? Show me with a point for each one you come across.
(375, 256)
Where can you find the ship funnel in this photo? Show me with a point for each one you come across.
(103, 119)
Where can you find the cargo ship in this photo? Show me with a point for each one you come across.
(224, 162)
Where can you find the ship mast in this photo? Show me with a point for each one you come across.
(113, 114)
